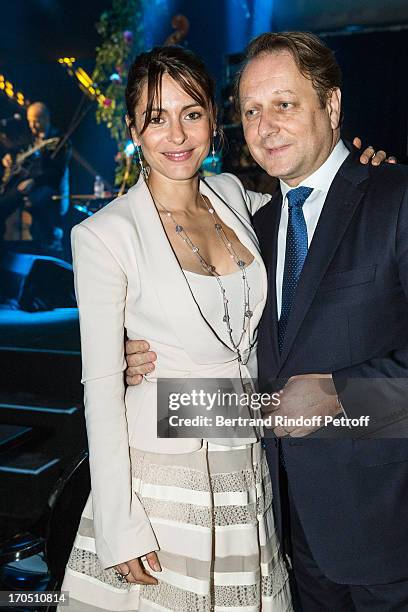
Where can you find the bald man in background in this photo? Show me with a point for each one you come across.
(31, 195)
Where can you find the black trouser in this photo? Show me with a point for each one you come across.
(8, 204)
(314, 592)
(45, 213)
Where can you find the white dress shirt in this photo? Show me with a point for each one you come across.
(320, 181)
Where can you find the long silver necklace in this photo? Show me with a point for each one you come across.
(247, 312)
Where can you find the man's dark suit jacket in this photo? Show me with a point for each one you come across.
(349, 318)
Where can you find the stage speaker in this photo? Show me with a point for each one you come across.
(35, 282)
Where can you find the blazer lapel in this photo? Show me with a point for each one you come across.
(173, 292)
(246, 235)
(341, 202)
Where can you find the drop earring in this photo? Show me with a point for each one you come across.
(213, 160)
(141, 164)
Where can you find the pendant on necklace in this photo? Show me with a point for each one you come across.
(241, 264)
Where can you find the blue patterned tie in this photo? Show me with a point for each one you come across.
(296, 251)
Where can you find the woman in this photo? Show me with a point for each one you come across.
(171, 524)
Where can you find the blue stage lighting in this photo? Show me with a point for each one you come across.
(212, 165)
(130, 148)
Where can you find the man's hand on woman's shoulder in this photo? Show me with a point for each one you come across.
(370, 155)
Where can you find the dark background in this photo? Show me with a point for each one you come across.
(370, 40)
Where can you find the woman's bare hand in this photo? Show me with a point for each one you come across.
(134, 571)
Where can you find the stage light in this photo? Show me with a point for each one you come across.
(68, 61)
(8, 88)
(245, 20)
(85, 81)
(83, 77)
(212, 165)
(130, 148)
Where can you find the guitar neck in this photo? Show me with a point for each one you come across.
(21, 157)
(16, 168)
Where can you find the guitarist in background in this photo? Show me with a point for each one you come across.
(27, 210)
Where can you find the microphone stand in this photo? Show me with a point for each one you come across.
(75, 122)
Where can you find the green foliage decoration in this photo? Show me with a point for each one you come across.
(121, 30)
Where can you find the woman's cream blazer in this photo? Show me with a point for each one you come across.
(129, 282)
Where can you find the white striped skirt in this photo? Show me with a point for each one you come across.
(211, 512)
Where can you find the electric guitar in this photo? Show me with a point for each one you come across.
(17, 172)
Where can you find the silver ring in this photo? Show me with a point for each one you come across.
(122, 576)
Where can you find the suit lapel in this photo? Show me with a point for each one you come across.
(342, 200)
(269, 236)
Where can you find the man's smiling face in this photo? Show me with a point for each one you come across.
(287, 130)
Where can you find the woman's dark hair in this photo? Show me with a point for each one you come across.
(183, 66)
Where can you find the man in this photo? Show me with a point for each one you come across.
(334, 241)
(343, 315)
(28, 196)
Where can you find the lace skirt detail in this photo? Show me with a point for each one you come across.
(211, 511)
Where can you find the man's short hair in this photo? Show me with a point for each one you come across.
(312, 56)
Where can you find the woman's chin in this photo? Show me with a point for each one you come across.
(183, 172)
